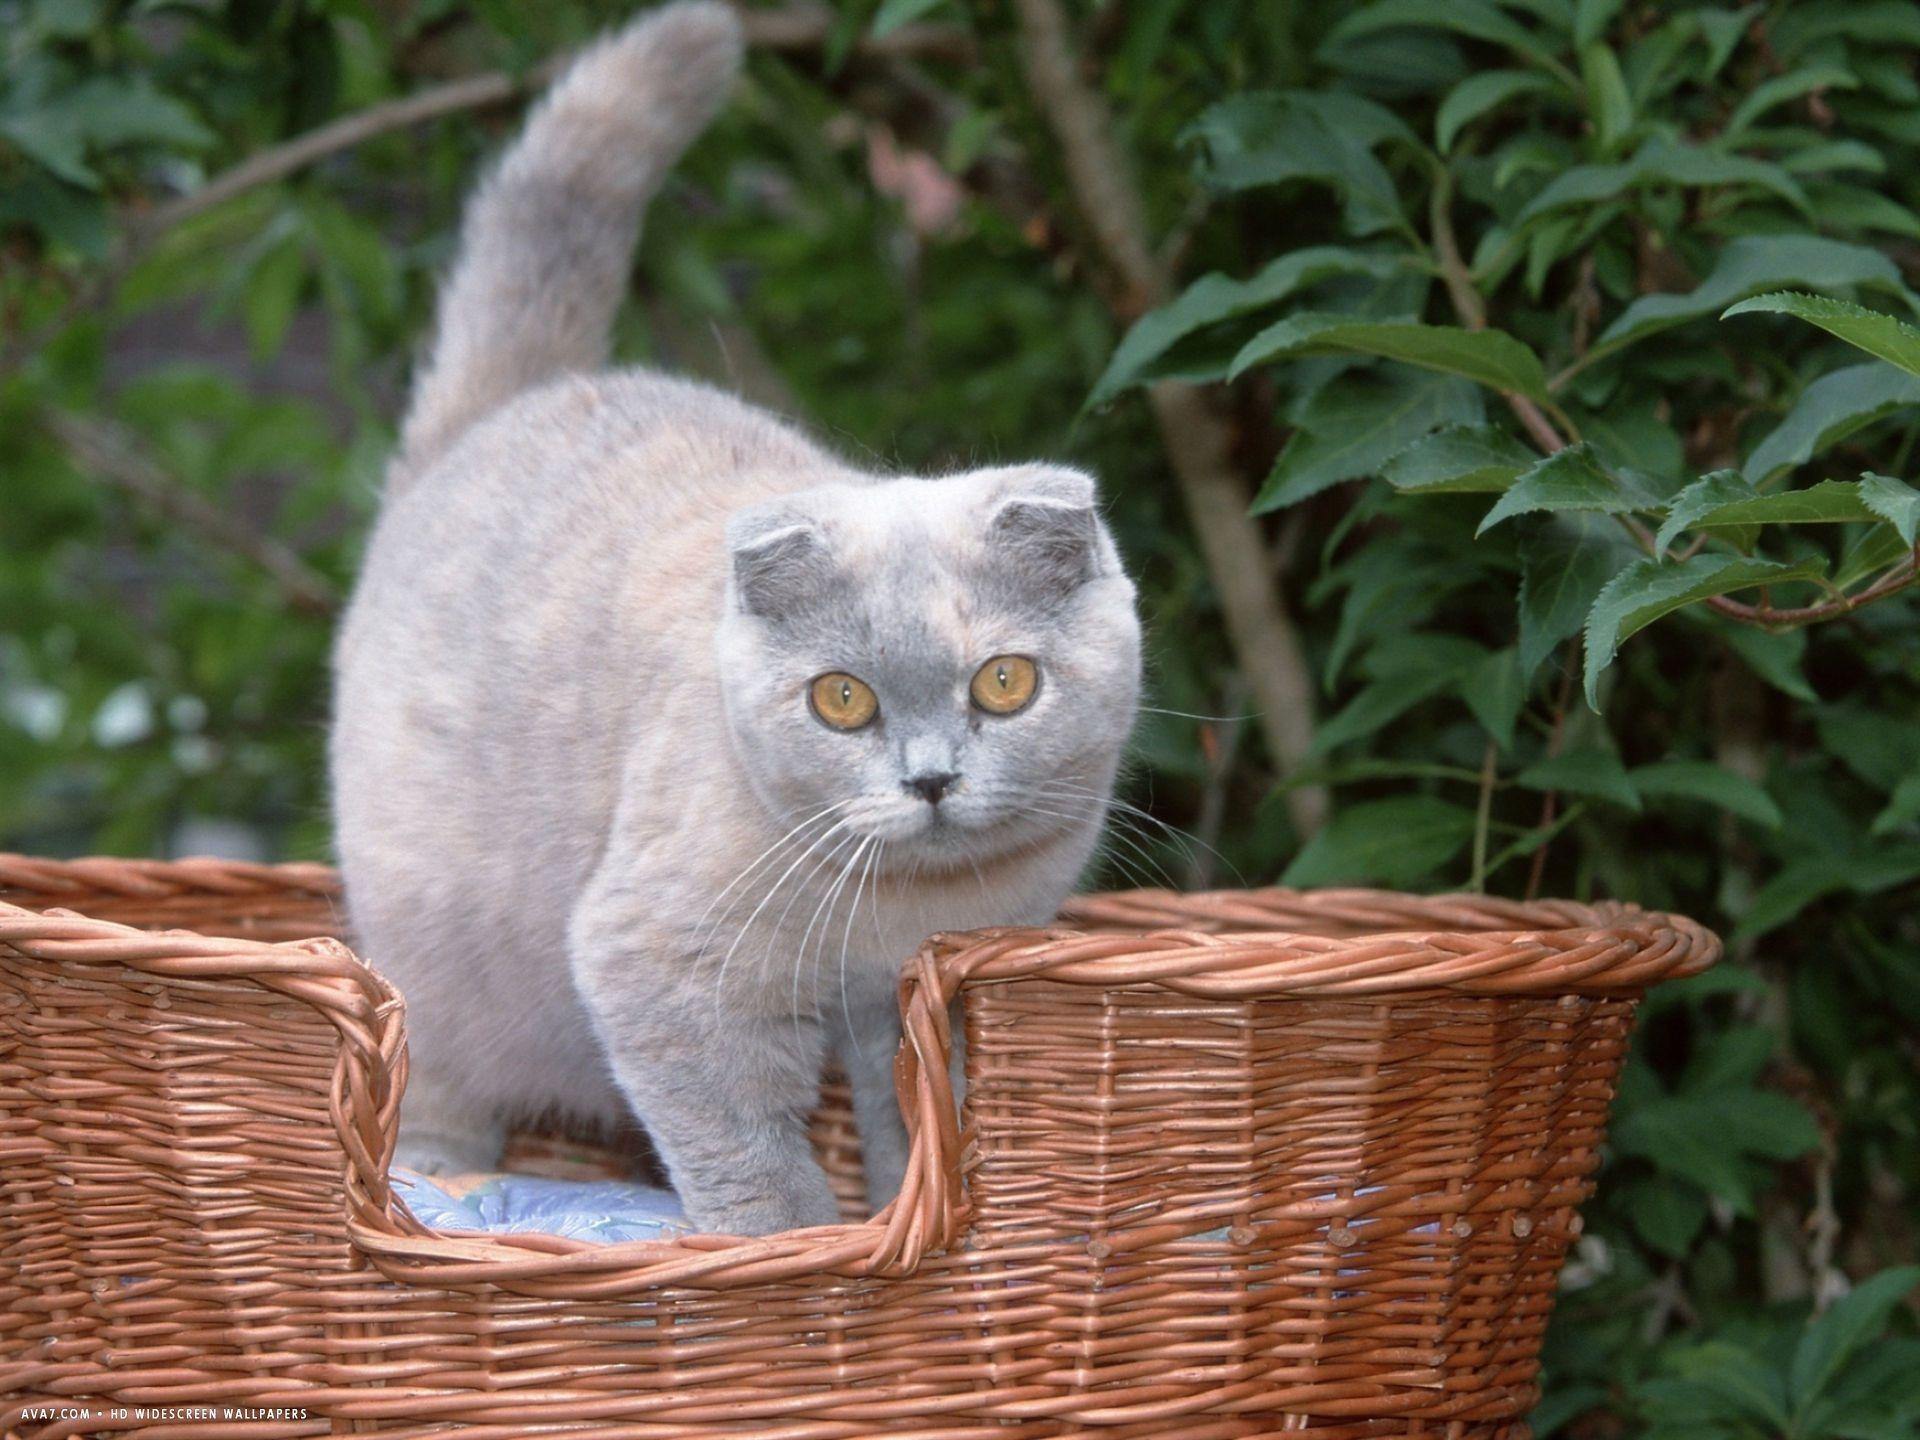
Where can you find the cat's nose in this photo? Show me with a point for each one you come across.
(932, 785)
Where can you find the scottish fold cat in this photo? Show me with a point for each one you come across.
(662, 736)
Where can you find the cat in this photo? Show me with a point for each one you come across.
(662, 737)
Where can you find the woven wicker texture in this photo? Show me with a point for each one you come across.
(1232, 1165)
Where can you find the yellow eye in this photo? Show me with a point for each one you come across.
(1005, 684)
(844, 702)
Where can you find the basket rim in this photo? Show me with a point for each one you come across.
(1403, 945)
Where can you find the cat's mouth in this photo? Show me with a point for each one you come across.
(959, 828)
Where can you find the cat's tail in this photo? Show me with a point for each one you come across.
(549, 236)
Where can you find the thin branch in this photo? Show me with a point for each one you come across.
(1472, 308)
(1198, 440)
(277, 162)
(793, 28)
(102, 450)
(798, 27)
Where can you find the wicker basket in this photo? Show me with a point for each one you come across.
(1232, 1165)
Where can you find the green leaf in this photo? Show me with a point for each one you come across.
(1837, 1336)
(1775, 657)
(1569, 479)
(1271, 137)
(1722, 30)
(1661, 162)
(51, 139)
(1459, 459)
(1591, 19)
(1668, 1213)
(1747, 266)
(1598, 773)
(1892, 340)
(1377, 705)
(1724, 500)
(896, 13)
(1480, 93)
(1895, 502)
(1701, 780)
(1705, 1136)
(1561, 1406)
(1782, 88)
(272, 295)
(1355, 424)
(1384, 842)
(1881, 749)
(1647, 590)
(1214, 298)
(1814, 877)
(1828, 410)
(1494, 692)
(1876, 549)
(1488, 356)
(1702, 497)
(1723, 1392)
(1473, 18)
(1903, 807)
(1630, 437)
(1563, 565)
(1875, 22)
(1607, 99)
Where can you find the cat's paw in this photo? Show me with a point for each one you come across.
(768, 1214)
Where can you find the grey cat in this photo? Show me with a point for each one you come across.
(662, 736)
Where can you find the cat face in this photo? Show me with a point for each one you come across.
(946, 666)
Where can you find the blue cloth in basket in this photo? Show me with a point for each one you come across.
(598, 1210)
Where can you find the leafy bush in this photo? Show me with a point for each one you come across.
(1565, 348)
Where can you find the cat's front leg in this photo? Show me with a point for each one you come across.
(866, 1052)
(724, 1092)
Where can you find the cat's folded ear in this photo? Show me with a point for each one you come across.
(780, 559)
(1041, 520)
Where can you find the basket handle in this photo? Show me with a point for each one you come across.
(927, 1216)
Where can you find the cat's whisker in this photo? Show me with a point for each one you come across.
(1130, 868)
(846, 940)
(827, 902)
(755, 864)
(1189, 715)
(773, 890)
(1128, 811)
(774, 857)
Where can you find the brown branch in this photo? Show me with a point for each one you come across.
(1198, 440)
(797, 27)
(277, 162)
(1472, 309)
(106, 453)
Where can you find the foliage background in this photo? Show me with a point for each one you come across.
(896, 235)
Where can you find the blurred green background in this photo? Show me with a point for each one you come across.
(1477, 549)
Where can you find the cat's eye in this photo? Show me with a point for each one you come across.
(844, 702)
(1005, 684)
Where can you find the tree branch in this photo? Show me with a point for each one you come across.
(103, 451)
(1471, 308)
(1198, 441)
(794, 27)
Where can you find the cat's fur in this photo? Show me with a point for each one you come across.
(588, 821)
